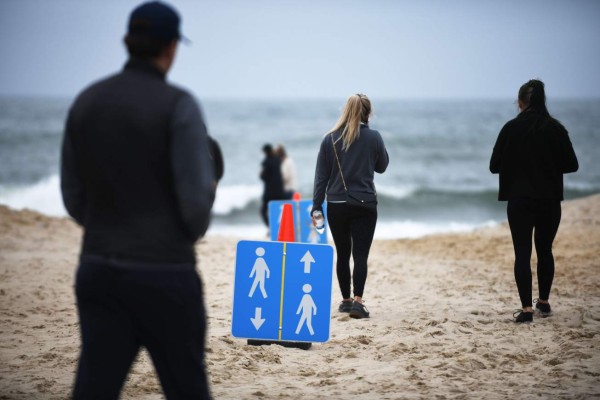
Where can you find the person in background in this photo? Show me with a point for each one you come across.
(531, 154)
(361, 153)
(288, 172)
(138, 176)
(270, 174)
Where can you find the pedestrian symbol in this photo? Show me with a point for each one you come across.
(260, 271)
(294, 281)
(308, 308)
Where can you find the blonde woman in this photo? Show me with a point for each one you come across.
(349, 156)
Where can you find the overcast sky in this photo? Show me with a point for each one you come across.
(316, 48)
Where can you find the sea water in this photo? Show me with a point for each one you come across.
(437, 180)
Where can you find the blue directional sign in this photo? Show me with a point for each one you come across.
(305, 231)
(282, 291)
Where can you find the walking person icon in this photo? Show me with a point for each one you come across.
(308, 308)
(260, 271)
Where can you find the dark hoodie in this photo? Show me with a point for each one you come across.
(531, 155)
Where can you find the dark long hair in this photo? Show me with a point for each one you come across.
(533, 97)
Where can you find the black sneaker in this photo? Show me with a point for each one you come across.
(345, 306)
(359, 310)
(544, 308)
(523, 316)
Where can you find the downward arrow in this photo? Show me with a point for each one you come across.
(307, 259)
(257, 321)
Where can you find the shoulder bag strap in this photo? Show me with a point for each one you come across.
(338, 163)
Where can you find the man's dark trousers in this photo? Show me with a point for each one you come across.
(123, 306)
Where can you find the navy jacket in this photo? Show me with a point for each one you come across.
(359, 163)
(531, 155)
(136, 171)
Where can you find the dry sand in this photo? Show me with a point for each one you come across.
(441, 323)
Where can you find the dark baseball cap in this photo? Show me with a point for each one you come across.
(156, 20)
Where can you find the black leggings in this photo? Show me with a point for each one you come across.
(264, 211)
(352, 229)
(523, 216)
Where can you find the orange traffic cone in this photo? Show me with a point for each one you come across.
(296, 196)
(286, 226)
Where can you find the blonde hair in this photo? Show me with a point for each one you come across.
(357, 110)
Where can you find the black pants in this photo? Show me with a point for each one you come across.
(352, 229)
(264, 211)
(542, 218)
(121, 310)
(264, 207)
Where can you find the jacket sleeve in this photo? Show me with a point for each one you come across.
(496, 160)
(568, 159)
(382, 156)
(217, 158)
(322, 173)
(71, 185)
(192, 164)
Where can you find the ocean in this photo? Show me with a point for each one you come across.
(437, 180)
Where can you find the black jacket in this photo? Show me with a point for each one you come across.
(271, 176)
(531, 155)
(359, 163)
(136, 170)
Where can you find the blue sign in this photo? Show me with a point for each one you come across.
(305, 231)
(282, 291)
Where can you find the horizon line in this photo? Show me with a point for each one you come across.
(218, 98)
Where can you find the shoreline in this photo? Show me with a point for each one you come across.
(441, 320)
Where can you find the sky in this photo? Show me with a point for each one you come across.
(266, 49)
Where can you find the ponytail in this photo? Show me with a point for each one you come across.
(533, 97)
(357, 110)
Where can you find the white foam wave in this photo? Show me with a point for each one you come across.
(411, 229)
(250, 231)
(384, 230)
(581, 186)
(44, 197)
(398, 192)
(235, 197)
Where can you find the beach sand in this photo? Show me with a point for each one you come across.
(441, 324)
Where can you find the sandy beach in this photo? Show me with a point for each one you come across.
(441, 323)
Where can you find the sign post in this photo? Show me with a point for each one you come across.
(282, 291)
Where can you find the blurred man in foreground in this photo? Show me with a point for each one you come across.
(138, 176)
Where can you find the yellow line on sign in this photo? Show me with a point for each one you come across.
(282, 281)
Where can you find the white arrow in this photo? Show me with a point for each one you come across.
(307, 259)
(257, 321)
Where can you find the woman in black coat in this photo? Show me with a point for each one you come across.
(531, 154)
